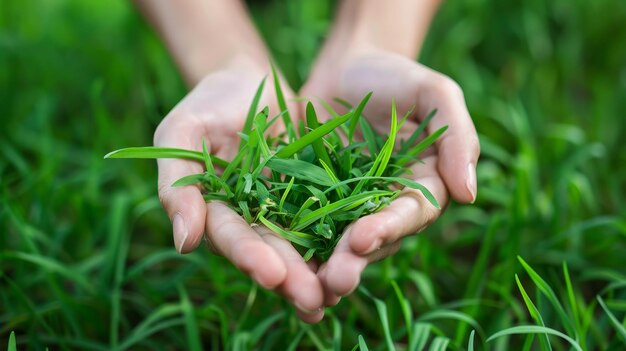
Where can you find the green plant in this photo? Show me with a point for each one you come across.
(307, 187)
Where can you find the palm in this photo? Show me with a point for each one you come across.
(395, 78)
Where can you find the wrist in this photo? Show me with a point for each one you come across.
(206, 36)
(364, 27)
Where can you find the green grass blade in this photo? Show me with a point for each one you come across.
(300, 169)
(406, 144)
(534, 329)
(247, 127)
(50, 265)
(191, 327)
(260, 124)
(423, 145)
(369, 136)
(302, 239)
(549, 293)
(403, 181)
(534, 314)
(619, 327)
(280, 97)
(318, 145)
(356, 116)
(190, 180)
(439, 343)
(381, 307)
(334, 179)
(207, 158)
(424, 286)
(443, 314)
(336, 334)
(153, 152)
(421, 333)
(362, 344)
(262, 327)
(470, 343)
(387, 150)
(12, 343)
(293, 345)
(351, 201)
(285, 194)
(571, 296)
(405, 307)
(311, 136)
(152, 323)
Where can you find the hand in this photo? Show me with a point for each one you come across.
(449, 166)
(215, 110)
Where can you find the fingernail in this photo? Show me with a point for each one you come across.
(180, 232)
(471, 180)
(375, 246)
(304, 310)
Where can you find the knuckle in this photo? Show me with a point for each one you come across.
(164, 189)
(448, 85)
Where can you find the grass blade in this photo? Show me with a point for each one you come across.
(423, 145)
(356, 116)
(470, 343)
(618, 326)
(191, 327)
(311, 136)
(406, 144)
(421, 333)
(534, 314)
(439, 343)
(300, 169)
(247, 127)
(12, 343)
(318, 145)
(153, 152)
(549, 293)
(280, 97)
(362, 344)
(405, 307)
(535, 329)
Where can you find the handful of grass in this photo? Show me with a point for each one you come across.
(317, 184)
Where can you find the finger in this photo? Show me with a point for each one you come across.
(301, 285)
(232, 237)
(408, 214)
(458, 147)
(184, 205)
(341, 274)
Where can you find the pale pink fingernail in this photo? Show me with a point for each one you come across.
(307, 311)
(375, 246)
(470, 182)
(180, 232)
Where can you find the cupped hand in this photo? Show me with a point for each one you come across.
(447, 168)
(215, 110)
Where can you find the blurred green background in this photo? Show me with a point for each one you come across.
(86, 255)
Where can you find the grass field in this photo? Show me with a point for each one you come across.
(538, 263)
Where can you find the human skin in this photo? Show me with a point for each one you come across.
(370, 47)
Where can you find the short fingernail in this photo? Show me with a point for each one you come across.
(471, 180)
(307, 311)
(375, 246)
(180, 232)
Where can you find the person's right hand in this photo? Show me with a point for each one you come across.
(215, 110)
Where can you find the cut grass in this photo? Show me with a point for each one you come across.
(315, 190)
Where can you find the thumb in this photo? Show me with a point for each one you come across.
(184, 205)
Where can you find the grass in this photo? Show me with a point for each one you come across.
(86, 255)
(316, 185)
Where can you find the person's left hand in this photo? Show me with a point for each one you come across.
(448, 166)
